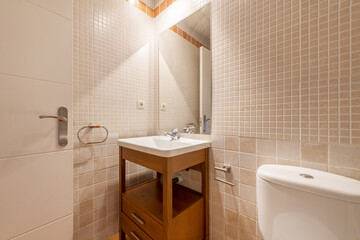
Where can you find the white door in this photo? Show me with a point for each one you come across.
(36, 79)
(205, 91)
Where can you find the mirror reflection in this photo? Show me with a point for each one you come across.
(185, 75)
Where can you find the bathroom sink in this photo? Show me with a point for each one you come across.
(163, 146)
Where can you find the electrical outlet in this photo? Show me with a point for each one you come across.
(140, 104)
(163, 107)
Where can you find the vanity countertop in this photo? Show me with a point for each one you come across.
(163, 146)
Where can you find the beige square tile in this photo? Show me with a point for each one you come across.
(86, 219)
(287, 162)
(266, 147)
(86, 193)
(247, 225)
(100, 176)
(99, 164)
(217, 155)
(231, 232)
(248, 177)
(248, 145)
(247, 209)
(218, 225)
(261, 160)
(314, 152)
(217, 197)
(86, 206)
(100, 225)
(99, 188)
(248, 193)
(344, 156)
(288, 150)
(231, 203)
(86, 232)
(217, 141)
(86, 180)
(99, 213)
(232, 143)
(231, 217)
(347, 172)
(317, 166)
(248, 161)
(216, 235)
(231, 158)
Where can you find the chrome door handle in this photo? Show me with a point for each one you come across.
(62, 118)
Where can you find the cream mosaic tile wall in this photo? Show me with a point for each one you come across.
(287, 70)
(285, 91)
(113, 68)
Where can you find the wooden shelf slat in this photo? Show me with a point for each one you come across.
(149, 198)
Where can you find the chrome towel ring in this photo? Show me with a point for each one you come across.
(93, 126)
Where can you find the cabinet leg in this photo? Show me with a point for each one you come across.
(121, 235)
(167, 202)
(122, 188)
(205, 191)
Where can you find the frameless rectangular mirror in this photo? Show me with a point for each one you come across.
(185, 74)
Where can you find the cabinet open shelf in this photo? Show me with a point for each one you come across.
(168, 211)
(149, 198)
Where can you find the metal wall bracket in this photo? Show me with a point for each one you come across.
(224, 181)
(225, 168)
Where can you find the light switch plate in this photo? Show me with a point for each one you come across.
(163, 107)
(140, 104)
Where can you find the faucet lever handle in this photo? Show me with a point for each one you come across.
(175, 131)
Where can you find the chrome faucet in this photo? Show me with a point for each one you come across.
(190, 128)
(174, 134)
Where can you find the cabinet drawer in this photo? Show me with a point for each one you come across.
(131, 229)
(142, 219)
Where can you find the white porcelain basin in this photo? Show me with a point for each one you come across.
(163, 146)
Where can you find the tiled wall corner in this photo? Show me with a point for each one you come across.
(113, 68)
(285, 91)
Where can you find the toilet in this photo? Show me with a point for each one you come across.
(296, 203)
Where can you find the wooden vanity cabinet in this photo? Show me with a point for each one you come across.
(152, 210)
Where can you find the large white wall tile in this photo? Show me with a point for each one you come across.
(22, 101)
(35, 42)
(34, 190)
(58, 230)
(63, 7)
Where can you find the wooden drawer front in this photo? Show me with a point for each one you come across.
(142, 219)
(131, 229)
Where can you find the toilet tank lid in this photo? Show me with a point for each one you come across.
(313, 181)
